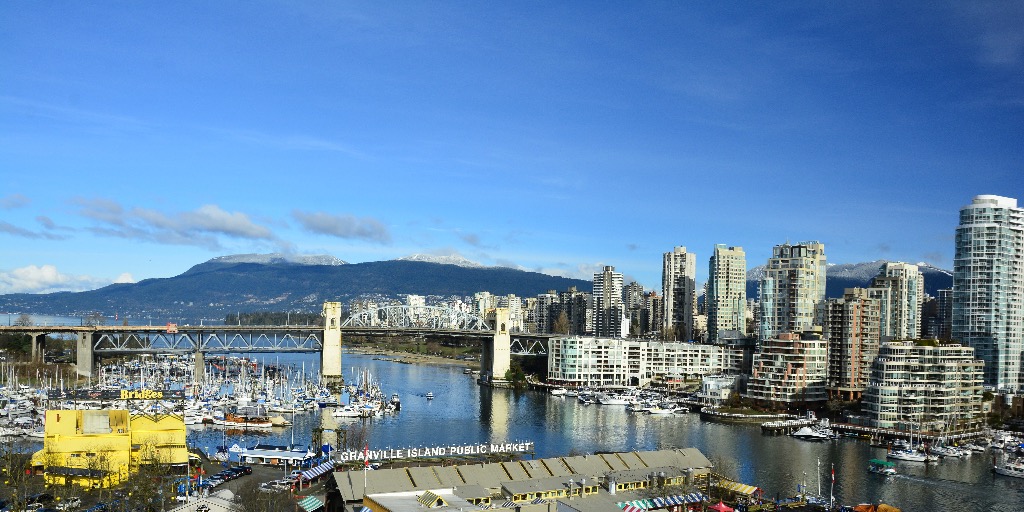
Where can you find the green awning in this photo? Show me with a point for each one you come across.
(311, 503)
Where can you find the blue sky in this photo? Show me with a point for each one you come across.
(140, 138)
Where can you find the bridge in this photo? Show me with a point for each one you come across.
(96, 342)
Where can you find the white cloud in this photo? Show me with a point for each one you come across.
(200, 227)
(47, 279)
(344, 226)
(124, 278)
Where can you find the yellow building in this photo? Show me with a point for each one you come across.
(102, 448)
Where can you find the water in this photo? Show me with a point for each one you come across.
(463, 413)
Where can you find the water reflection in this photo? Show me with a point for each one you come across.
(464, 413)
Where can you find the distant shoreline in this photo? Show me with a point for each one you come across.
(409, 358)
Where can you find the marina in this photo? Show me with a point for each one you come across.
(464, 413)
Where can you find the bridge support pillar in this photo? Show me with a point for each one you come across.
(496, 357)
(86, 362)
(38, 347)
(200, 366)
(330, 356)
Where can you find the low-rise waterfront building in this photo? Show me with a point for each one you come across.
(102, 448)
(924, 386)
(584, 361)
(789, 371)
(586, 482)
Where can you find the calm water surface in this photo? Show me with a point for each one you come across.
(463, 413)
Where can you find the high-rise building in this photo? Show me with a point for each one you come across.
(852, 327)
(679, 291)
(726, 297)
(792, 287)
(576, 306)
(906, 295)
(608, 307)
(945, 313)
(544, 304)
(988, 287)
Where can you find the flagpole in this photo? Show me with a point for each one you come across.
(831, 496)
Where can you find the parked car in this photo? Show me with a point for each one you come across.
(43, 497)
(71, 503)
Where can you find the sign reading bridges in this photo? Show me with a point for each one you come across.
(122, 394)
(436, 451)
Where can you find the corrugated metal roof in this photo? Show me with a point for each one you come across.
(424, 478)
(515, 471)
(536, 469)
(590, 465)
(448, 476)
(632, 460)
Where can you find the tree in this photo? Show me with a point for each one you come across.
(94, 318)
(561, 325)
(14, 465)
(23, 320)
(250, 498)
(668, 333)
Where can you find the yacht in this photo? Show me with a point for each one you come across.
(611, 400)
(1011, 467)
(908, 455)
(558, 391)
(811, 434)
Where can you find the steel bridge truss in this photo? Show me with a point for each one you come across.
(207, 342)
(417, 317)
(529, 347)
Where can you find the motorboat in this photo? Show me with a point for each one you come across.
(558, 391)
(430, 395)
(881, 467)
(907, 455)
(347, 411)
(1011, 467)
(811, 434)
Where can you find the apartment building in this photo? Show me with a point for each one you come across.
(852, 327)
(679, 292)
(726, 297)
(988, 287)
(790, 371)
(924, 386)
(792, 287)
(586, 361)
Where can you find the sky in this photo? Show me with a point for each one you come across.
(140, 138)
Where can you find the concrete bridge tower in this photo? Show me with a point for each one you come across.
(497, 353)
(86, 361)
(330, 357)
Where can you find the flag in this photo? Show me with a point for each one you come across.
(366, 456)
(833, 472)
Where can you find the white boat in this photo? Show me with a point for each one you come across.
(659, 410)
(611, 400)
(948, 451)
(430, 395)
(810, 434)
(347, 411)
(1012, 467)
(558, 391)
(908, 455)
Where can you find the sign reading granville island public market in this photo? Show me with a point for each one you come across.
(436, 451)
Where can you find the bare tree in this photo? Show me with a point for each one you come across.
(23, 320)
(95, 318)
(251, 498)
(561, 324)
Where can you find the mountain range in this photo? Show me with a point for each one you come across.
(276, 282)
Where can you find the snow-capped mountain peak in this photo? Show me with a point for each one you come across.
(450, 259)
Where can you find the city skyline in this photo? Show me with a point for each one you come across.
(139, 141)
